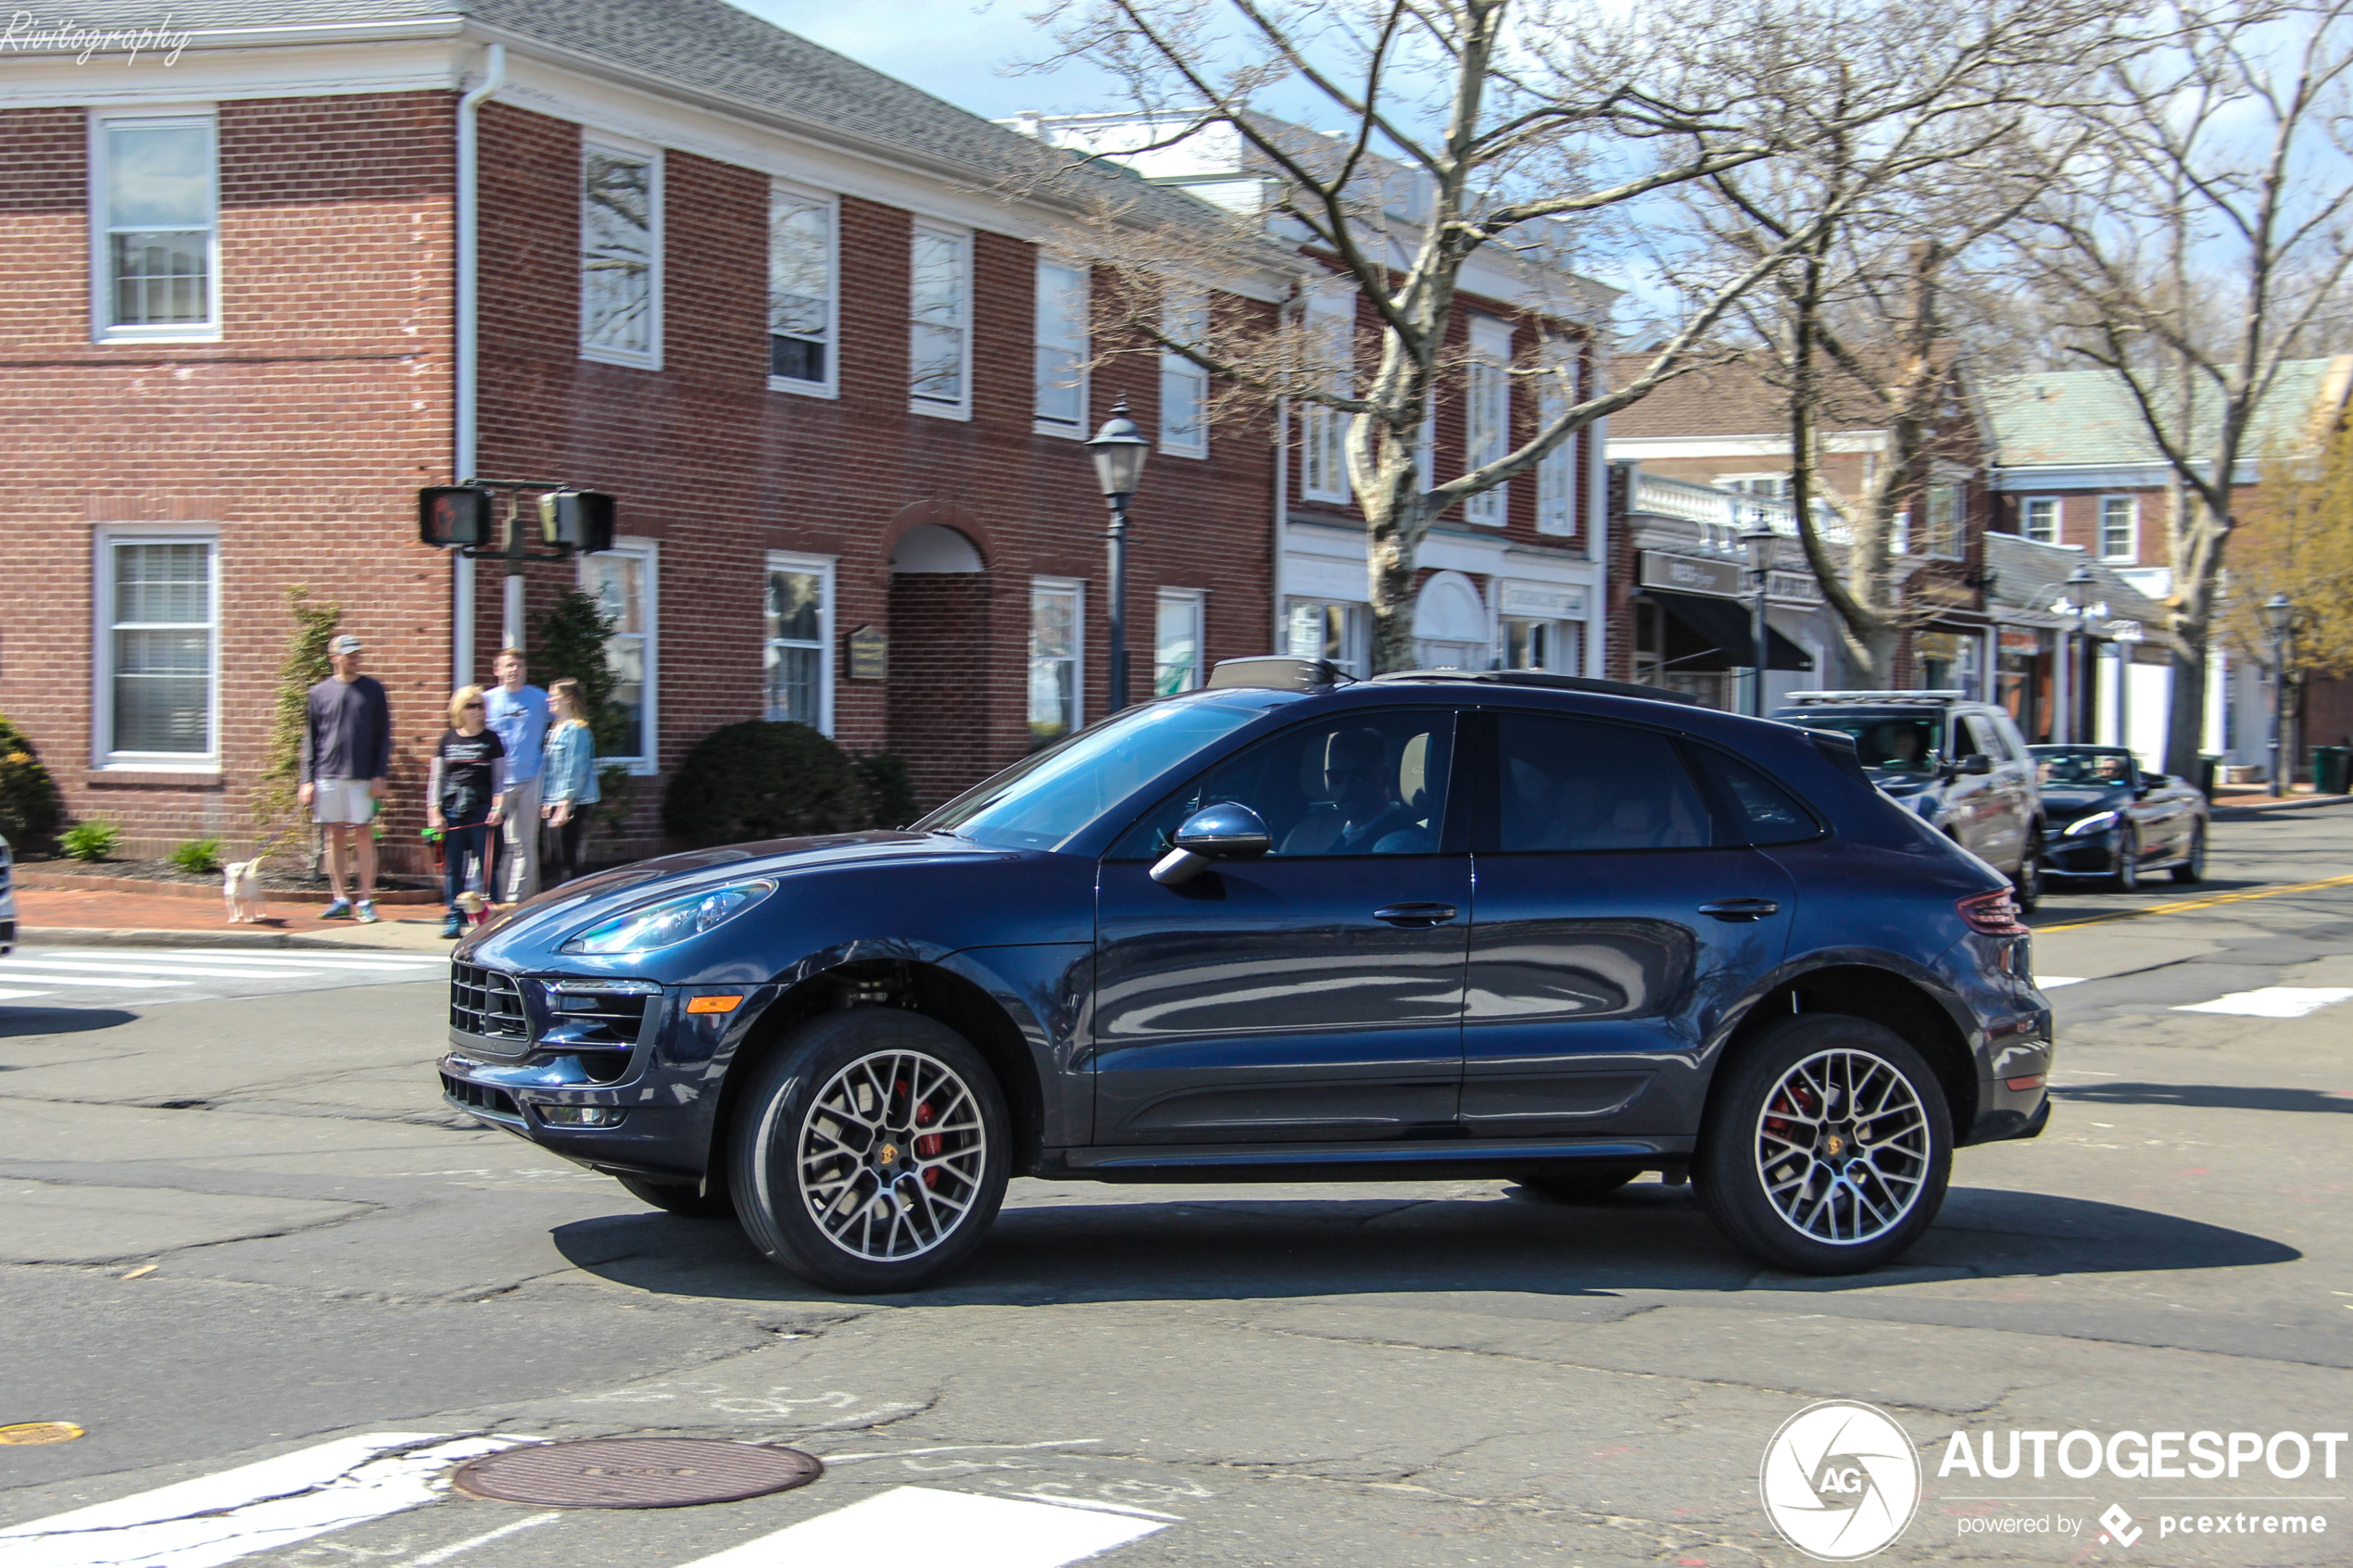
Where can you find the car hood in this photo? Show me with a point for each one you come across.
(2068, 803)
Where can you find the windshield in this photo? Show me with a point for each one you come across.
(1040, 803)
(1886, 745)
(2082, 766)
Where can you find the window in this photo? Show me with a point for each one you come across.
(620, 256)
(154, 247)
(1488, 417)
(939, 323)
(1062, 349)
(1323, 629)
(1557, 475)
(1370, 784)
(1570, 783)
(2118, 516)
(1943, 536)
(1184, 386)
(797, 654)
(1761, 811)
(1323, 432)
(2040, 517)
(801, 268)
(1176, 648)
(1056, 624)
(624, 581)
(1557, 645)
(158, 652)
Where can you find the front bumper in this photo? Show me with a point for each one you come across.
(2092, 855)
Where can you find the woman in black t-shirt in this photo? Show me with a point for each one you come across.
(469, 777)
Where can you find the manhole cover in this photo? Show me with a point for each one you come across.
(635, 1472)
(40, 1432)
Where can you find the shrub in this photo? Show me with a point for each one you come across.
(764, 780)
(91, 841)
(572, 639)
(890, 790)
(28, 807)
(275, 803)
(201, 856)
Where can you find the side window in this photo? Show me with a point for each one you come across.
(1367, 783)
(1571, 784)
(1762, 811)
(1983, 739)
(2013, 744)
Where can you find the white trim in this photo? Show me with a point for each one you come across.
(1076, 589)
(2026, 504)
(938, 407)
(1175, 306)
(1328, 310)
(650, 552)
(102, 327)
(822, 568)
(1197, 600)
(830, 387)
(1076, 429)
(103, 756)
(1638, 448)
(2131, 554)
(627, 147)
(1490, 358)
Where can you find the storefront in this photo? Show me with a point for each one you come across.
(1482, 604)
(1693, 630)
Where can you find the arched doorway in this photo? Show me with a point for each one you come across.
(943, 660)
(1450, 624)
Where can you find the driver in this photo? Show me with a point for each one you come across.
(1901, 742)
(1363, 786)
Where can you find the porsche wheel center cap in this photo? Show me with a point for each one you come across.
(886, 1155)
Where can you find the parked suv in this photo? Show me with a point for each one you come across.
(1961, 765)
(1283, 929)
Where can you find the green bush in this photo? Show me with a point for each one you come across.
(277, 802)
(91, 841)
(764, 780)
(890, 789)
(29, 806)
(201, 856)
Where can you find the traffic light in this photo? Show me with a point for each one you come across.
(452, 516)
(576, 520)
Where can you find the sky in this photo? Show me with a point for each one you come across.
(952, 49)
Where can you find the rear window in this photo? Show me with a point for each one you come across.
(1571, 784)
(1763, 812)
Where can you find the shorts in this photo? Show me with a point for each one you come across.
(341, 800)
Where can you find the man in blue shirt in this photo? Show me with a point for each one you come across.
(347, 753)
(518, 712)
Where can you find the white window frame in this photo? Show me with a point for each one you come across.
(102, 327)
(1487, 417)
(1076, 589)
(779, 193)
(103, 755)
(621, 146)
(648, 551)
(935, 407)
(1356, 635)
(1322, 431)
(2026, 519)
(1196, 600)
(2132, 508)
(1067, 353)
(1955, 544)
(821, 568)
(1182, 315)
(1556, 472)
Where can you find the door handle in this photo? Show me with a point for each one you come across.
(1416, 914)
(1741, 908)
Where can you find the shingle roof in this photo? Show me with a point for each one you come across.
(2067, 418)
(2030, 576)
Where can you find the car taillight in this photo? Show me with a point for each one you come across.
(1994, 914)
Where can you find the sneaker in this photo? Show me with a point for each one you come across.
(367, 915)
(339, 910)
(454, 927)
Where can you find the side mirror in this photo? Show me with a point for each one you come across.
(1980, 763)
(1229, 830)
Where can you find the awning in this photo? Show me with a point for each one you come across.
(1724, 624)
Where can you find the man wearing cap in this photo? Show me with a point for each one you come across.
(347, 751)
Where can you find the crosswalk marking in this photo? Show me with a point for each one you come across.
(2053, 981)
(2273, 1001)
(233, 969)
(277, 1502)
(275, 959)
(193, 974)
(108, 981)
(923, 1524)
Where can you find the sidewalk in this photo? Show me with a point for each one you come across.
(2246, 800)
(146, 920)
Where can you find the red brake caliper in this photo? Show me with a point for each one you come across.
(1792, 1102)
(929, 1145)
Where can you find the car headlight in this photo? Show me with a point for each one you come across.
(670, 922)
(2097, 822)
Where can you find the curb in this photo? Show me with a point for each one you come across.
(128, 936)
(2236, 813)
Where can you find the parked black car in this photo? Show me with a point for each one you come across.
(1961, 765)
(2110, 818)
(1433, 925)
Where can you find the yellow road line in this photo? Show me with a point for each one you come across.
(2183, 905)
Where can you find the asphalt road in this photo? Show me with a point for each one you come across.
(1436, 1373)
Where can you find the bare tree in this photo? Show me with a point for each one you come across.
(2198, 246)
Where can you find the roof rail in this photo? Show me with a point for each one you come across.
(1875, 697)
(1549, 680)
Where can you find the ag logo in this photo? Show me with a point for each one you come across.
(1840, 1480)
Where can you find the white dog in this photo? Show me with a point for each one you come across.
(241, 890)
(473, 907)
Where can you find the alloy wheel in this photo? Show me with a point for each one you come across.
(891, 1155)
(1842, 1147)
(2128, 862)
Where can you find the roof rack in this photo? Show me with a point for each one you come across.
(1549, 680)
(1799, 698)
(1275, 673)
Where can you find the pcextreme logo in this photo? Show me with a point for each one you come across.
(1840, 1480)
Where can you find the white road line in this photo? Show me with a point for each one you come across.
(12, 996)
(458, 1549)
(2053, 981)
(276, 1503)
(923, 1523)
(10, 973)
(273, 960)
(2273, 1001)
(220, 968)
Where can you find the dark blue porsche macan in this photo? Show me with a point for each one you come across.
(1434, 926)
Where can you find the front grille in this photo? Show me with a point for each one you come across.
(477, 1096)
(595, 1015)
(487, 1002)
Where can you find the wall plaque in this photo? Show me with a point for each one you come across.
(869, 655)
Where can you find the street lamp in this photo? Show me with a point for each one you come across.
(1119, 450)
(1758, 540)
(2279, 615)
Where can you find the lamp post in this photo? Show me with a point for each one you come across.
(1119, 450)
(2279, 615)
(1757, 540)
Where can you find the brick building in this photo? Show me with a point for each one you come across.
(261, 288)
